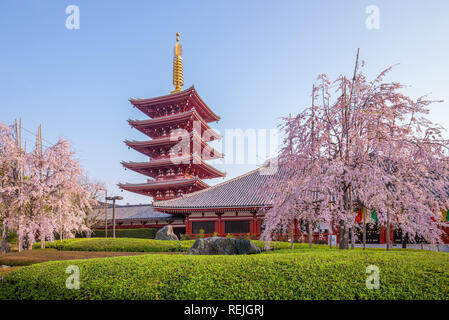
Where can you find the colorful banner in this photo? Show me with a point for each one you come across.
(374, 215)
(359, 216)
(445, 215)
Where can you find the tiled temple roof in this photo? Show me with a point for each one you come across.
(190, 115)
(136, 212)
(150, 213)
(188, 94)
(240, 192)
(144, 146)
(151, 184)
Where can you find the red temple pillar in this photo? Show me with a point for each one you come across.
(253, 224)
(382, 235)
(187, 223)
(219, 224)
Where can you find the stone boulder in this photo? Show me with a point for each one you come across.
(166, 233)
(218, 245)
(4, 247)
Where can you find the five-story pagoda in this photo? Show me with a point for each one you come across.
(179, 133)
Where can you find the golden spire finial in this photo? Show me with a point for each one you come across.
(178, 76)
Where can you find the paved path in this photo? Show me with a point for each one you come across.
(27, 257)
(431, 247)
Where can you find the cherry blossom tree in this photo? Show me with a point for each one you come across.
(13, 178)
(95, 215)
(42, 194)
(369, 147)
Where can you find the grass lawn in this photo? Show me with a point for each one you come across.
(319, 273)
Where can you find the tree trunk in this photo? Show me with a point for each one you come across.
(24, 243)
(404, 240)
(330, 234)
(3, 234)
(19, 240)
(42, 240)
(343, 235)
(352, 238)
(344, 230)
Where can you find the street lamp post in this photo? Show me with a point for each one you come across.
(113, 211)
(106, 214)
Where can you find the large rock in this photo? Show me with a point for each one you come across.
(4, 247)
(166, 233)
(218, 245)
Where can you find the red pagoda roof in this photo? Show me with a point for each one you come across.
(145, 146)
(166, 121)
(188, 96)
(145, 188)
(190, 160)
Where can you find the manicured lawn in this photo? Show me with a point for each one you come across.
(302, 274)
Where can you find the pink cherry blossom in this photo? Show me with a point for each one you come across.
(361, 144)
(42, 195)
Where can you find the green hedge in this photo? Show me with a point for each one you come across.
(11, 236)
(313, 274)
(118, 244)
(140, 245)
(141, 233)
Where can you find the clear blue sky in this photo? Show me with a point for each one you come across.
(251, 61)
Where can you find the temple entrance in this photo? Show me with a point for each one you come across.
(207, 226)
(237, 226)
(179, 231)
(372, 233)
(397, 235)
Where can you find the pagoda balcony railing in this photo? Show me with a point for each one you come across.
(170, 178)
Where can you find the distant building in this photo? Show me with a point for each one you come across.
(139, 216)
(231, 207)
